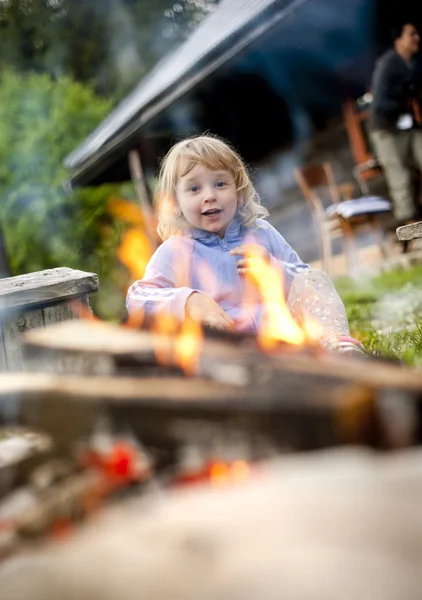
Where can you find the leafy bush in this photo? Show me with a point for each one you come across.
(41, 121)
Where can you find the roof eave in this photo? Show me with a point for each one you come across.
(85, 170)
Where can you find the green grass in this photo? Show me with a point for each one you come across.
(385, 312)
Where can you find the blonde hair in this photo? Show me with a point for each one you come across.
(213, 153)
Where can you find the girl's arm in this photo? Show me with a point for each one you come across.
(164, 288)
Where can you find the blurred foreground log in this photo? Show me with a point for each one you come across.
(340, 525)
(291, 376)
(169, 413)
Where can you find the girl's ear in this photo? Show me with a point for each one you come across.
(240, 200)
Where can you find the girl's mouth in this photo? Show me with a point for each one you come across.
(212, 212)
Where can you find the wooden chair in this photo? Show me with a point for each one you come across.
(320, 189)
(367, 168)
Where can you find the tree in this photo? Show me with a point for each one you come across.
(111, 43)
(41, 121)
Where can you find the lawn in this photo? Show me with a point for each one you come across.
(385, 312)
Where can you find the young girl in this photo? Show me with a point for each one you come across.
(211, 219)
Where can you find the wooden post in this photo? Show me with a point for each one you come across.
(136, 172)
(36, 300)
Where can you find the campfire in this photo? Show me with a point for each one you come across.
(168, 403)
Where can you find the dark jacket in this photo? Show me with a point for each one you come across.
(394, 84)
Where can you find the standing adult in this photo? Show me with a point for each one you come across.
(395, 125)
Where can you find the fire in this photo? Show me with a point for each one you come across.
(222, 473)
(173, 344)
(136, 247)
(279, 324)
(164, 328)
(135, 251)
(188, 346)
(181, 344)
(136, 319)
(217, 473)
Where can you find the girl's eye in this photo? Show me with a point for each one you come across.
(194, 188)
(220, 184)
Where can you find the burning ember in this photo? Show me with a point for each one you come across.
(217, 474)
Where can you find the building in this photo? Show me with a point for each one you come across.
(271, 76)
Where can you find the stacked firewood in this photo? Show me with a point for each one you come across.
(107, 411)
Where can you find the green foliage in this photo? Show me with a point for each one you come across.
(111, 43)
(385, 312)
(41, 121)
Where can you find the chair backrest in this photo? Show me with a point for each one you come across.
(312, 178)
(367, 167)
(354, 122)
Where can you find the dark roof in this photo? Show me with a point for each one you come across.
(222, 34)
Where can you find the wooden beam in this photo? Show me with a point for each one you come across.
(45, 287)
(38, 299)
(96, 339)
(163, 412)
(409, 232)
(137, 175)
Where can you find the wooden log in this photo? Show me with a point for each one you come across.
(166, 413)
(20, 451)
(38, 299)
(87, 347)
(300, 374)
(239, 362)
(409, 232)
(45, 287)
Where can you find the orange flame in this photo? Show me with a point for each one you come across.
(222, 474)
(188, 346)
(279, 325)
(172, 345)
(135, 248)
(135, 251)
(135, 319)
(164, 329)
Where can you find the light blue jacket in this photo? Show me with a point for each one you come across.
(202, 262)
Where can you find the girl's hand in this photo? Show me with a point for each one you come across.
(205, 310)
(250, 252)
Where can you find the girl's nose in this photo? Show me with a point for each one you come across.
(209, 194)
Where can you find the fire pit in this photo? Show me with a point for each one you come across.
(171, 404)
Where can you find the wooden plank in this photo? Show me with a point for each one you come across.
(164, 413)
(95, 338)
(91, 336)
(409, 232)
(44, 287)
(13, 331)
(70, 310)
(3, 363)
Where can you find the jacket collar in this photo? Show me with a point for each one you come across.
(213, 239)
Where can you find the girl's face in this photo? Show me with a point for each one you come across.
(207, 198)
